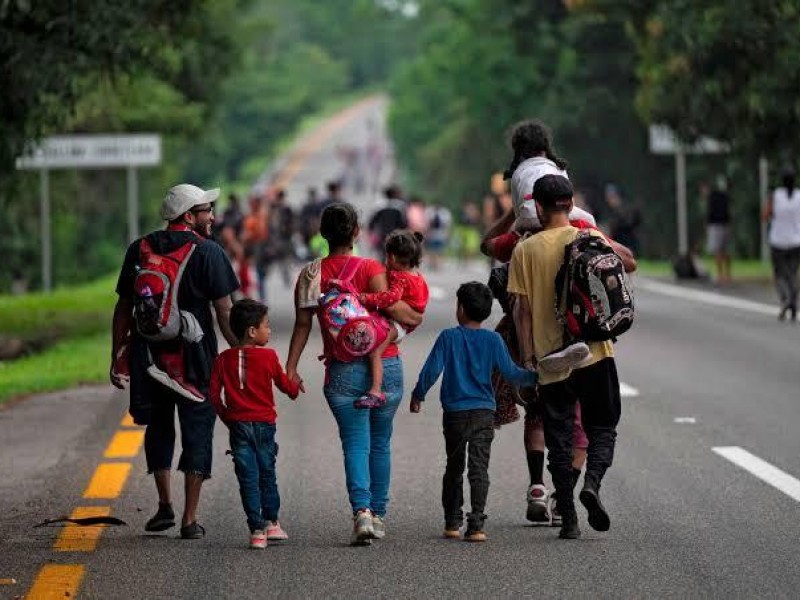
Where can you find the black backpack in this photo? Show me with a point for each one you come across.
(594, 299)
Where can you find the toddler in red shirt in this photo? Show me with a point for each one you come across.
(406, 283)
(241, 392)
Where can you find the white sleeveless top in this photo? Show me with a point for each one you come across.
(784, 229)
(528, 173)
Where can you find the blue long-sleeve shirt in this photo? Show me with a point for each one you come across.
(468, 357)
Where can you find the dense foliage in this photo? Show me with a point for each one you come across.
(224, 81)
(598, 72)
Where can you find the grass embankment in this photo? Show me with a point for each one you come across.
(74, 322)
(742, 270)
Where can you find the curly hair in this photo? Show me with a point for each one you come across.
(406, 245)
(528, 139)
(338, 224)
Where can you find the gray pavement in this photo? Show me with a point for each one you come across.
(686, 523)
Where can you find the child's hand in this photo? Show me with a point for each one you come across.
(416, 405)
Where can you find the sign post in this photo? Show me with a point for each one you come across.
(663, 141)
(89, 152)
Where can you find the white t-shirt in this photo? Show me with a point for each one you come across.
(784, 228)
(528, 173)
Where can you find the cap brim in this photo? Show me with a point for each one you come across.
(210, 195)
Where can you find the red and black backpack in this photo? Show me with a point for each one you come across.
(594, 299)
(155, 291)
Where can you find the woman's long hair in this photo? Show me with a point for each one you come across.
(338, 224)
(528, 139)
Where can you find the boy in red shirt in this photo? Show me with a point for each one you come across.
(241, 392)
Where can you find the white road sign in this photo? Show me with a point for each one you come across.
(94, 151)
(663, 141)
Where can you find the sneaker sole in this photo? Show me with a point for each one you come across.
(475, 538)
(537, 514)
(569, 536)
(565, 360)
(598, 517)
(452, 534)
(160, 526)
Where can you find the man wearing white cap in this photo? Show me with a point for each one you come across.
(164, 344)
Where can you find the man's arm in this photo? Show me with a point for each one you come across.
(222, 307)
(625, 254)
(499, 227)
(523, 323)
(120, 338)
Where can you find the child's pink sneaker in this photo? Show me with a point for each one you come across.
(258, 539)
(275, 532)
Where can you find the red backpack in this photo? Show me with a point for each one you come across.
(155, 291)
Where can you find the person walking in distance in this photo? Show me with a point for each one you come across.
(532, 273)
(782, 213)
(168, 363)
(718, 229)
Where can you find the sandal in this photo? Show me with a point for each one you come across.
(370, 400)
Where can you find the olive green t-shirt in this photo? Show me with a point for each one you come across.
(534, 266)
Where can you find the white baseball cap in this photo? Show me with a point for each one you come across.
(184, 197)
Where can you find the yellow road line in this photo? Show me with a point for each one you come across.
(125, 444)
(127, 421)
(108, 480)
(56, 582)
(79, 538)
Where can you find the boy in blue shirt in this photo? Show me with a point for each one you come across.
(468, 355)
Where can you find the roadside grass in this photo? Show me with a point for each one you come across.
(66, 364)
(741, 269)
(67, 312)
(73, 324)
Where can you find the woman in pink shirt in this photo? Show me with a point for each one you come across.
(365, 434)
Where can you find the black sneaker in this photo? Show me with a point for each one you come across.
(590, 498)
(569, 526)
(162, 520)
(192, 531)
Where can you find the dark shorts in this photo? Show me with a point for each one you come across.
(196, 421)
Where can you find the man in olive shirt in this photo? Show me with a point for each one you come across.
(594, 384)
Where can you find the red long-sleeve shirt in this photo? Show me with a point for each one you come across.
(241, 384)
(403, 285)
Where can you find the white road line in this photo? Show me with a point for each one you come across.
(686, 420)
(627, 391)
(712, 298)
(761, 469)
(437, 293)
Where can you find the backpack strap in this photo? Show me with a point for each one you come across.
(350, 268)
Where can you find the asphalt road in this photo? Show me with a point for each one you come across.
(686, 521)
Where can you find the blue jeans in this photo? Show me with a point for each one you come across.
(254, 452)
(366, 435)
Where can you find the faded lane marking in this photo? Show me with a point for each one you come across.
(766, 472)
(125, 444)
(127, 421)
(710, 298)
(627, 391)
(77, 538)
(56, 582)
(108, 481)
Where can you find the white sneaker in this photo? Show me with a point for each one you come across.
(538, 497)
(566, 357)
(363, 531)
(378, 528)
